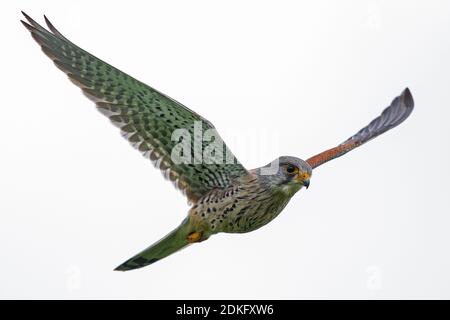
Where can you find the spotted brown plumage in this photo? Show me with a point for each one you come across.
(225, 197)
(145, 116)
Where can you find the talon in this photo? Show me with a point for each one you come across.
(194, 237)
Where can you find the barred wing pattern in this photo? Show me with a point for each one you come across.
(146, 117)
(400, 109)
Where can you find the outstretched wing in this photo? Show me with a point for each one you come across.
(146, 117)
(400, 109)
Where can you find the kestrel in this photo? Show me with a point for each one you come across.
(224, 196)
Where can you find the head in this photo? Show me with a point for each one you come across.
(289, 173)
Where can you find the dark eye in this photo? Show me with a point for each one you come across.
(291, 169)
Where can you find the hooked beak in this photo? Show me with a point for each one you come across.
(306, 183)
(303, 178)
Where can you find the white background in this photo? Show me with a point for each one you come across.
(276, 78)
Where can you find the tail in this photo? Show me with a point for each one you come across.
(174, 241)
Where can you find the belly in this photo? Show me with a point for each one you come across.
(254, 216)
(236, 213)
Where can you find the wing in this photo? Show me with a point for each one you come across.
(400, 109)
(146, 117)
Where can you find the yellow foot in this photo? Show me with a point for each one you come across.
(194, 237)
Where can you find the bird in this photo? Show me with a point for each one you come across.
(222, 194)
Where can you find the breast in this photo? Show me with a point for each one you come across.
(238, 209)
(258, 212)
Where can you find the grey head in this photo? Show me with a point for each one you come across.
(288, 173)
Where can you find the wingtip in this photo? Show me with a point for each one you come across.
(29, 27)
(29, 19)
(52, 27)
(25, 15)
(407, 98)
(49, 24)
(30, 24)
(26, 25)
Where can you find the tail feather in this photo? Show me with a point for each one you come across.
(171, 243)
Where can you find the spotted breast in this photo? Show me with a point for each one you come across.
(245, 206)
